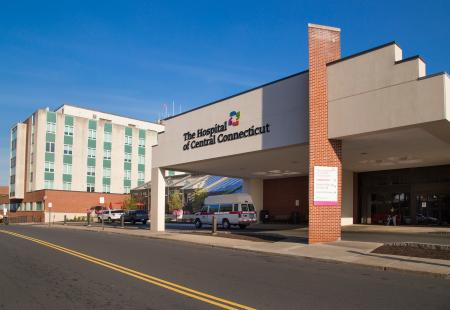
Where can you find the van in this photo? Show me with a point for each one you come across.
(230, 210)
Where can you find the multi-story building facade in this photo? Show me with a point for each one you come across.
(76, 152)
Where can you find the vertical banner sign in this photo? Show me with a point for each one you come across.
(325, 186)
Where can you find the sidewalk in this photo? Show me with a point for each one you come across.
(341, 251)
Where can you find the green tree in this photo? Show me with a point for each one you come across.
(198, 198)
(130, 204)
(175, 201)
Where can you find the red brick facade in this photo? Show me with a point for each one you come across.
(279, 196)
(73, 202)
(324, 47)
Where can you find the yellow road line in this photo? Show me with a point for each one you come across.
(219, 302)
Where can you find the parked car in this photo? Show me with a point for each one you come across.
(97, 209)
(230, 210)
(109, 215)
(134, 216)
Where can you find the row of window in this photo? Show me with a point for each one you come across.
(67, 169)
(92, 134)
(68, 150)
(90, 187)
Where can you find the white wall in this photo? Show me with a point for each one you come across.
(347, 198)
(283, 105)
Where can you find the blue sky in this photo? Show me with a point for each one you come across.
(130, 57)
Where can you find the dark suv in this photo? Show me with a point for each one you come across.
(134, 216)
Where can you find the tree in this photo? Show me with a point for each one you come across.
(175, 201)
(198, 198)
(130, 204)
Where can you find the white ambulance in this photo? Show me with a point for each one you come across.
(230, 210)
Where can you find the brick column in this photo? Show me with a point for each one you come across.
(324, 47)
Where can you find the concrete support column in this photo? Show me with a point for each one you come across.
(347, 198)
(158, 200)
(255, 187)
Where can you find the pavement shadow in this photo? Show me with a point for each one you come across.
(400, 259)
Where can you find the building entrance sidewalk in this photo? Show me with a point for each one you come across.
(354, 252)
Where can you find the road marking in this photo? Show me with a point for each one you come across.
(213, 300)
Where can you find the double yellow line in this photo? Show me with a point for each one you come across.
(210, 299)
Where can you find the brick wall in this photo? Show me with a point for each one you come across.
(280, 195)
(72, 201)
(324, 47)
(78, 202)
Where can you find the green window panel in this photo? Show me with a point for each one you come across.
(128, 148)
(126, 182)
(92, 143)
(140, 183)
(90, 179)
(126, 166)
(50, 137)
(128, 131)
(67, 178)
(106, 163)
(107, 181)
(67, 159)
(107, 146)
(141, 133)
(108, 127)
(49, 176)
(92, 124)
(51, 117)
(49, 156)
(68, 140)
(68, 120)
(91, 161)
(141, 150)
(141, 167)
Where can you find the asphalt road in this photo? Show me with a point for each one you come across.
(35, 276)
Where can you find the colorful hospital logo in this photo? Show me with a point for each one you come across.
(234, 118)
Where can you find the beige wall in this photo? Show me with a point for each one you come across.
(283, 105)
(372, 92)
(347, 198)
(79, 155)
(19, 185)
(447, 96)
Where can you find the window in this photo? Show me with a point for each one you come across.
(91, 171)
(128, 140)
(31, 158)
(90, 188)
(31, 177)
(67, 169)
(50, 147)
(91, 152)
(127, 157)
(142, 142)
(127, 174)
(226, 208)
(236, 207)
(48, 184)
(67, 149)
(92, 134)
(107, 136)
(107, 154)
(68, 130)
(106, 188)
(49, 166)
(141, 159)
(141, 175)
(51, 127)
(106, 172)
(67, 186)
(126, 189)
(213, 208)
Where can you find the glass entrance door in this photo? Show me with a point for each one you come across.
(433, 208)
